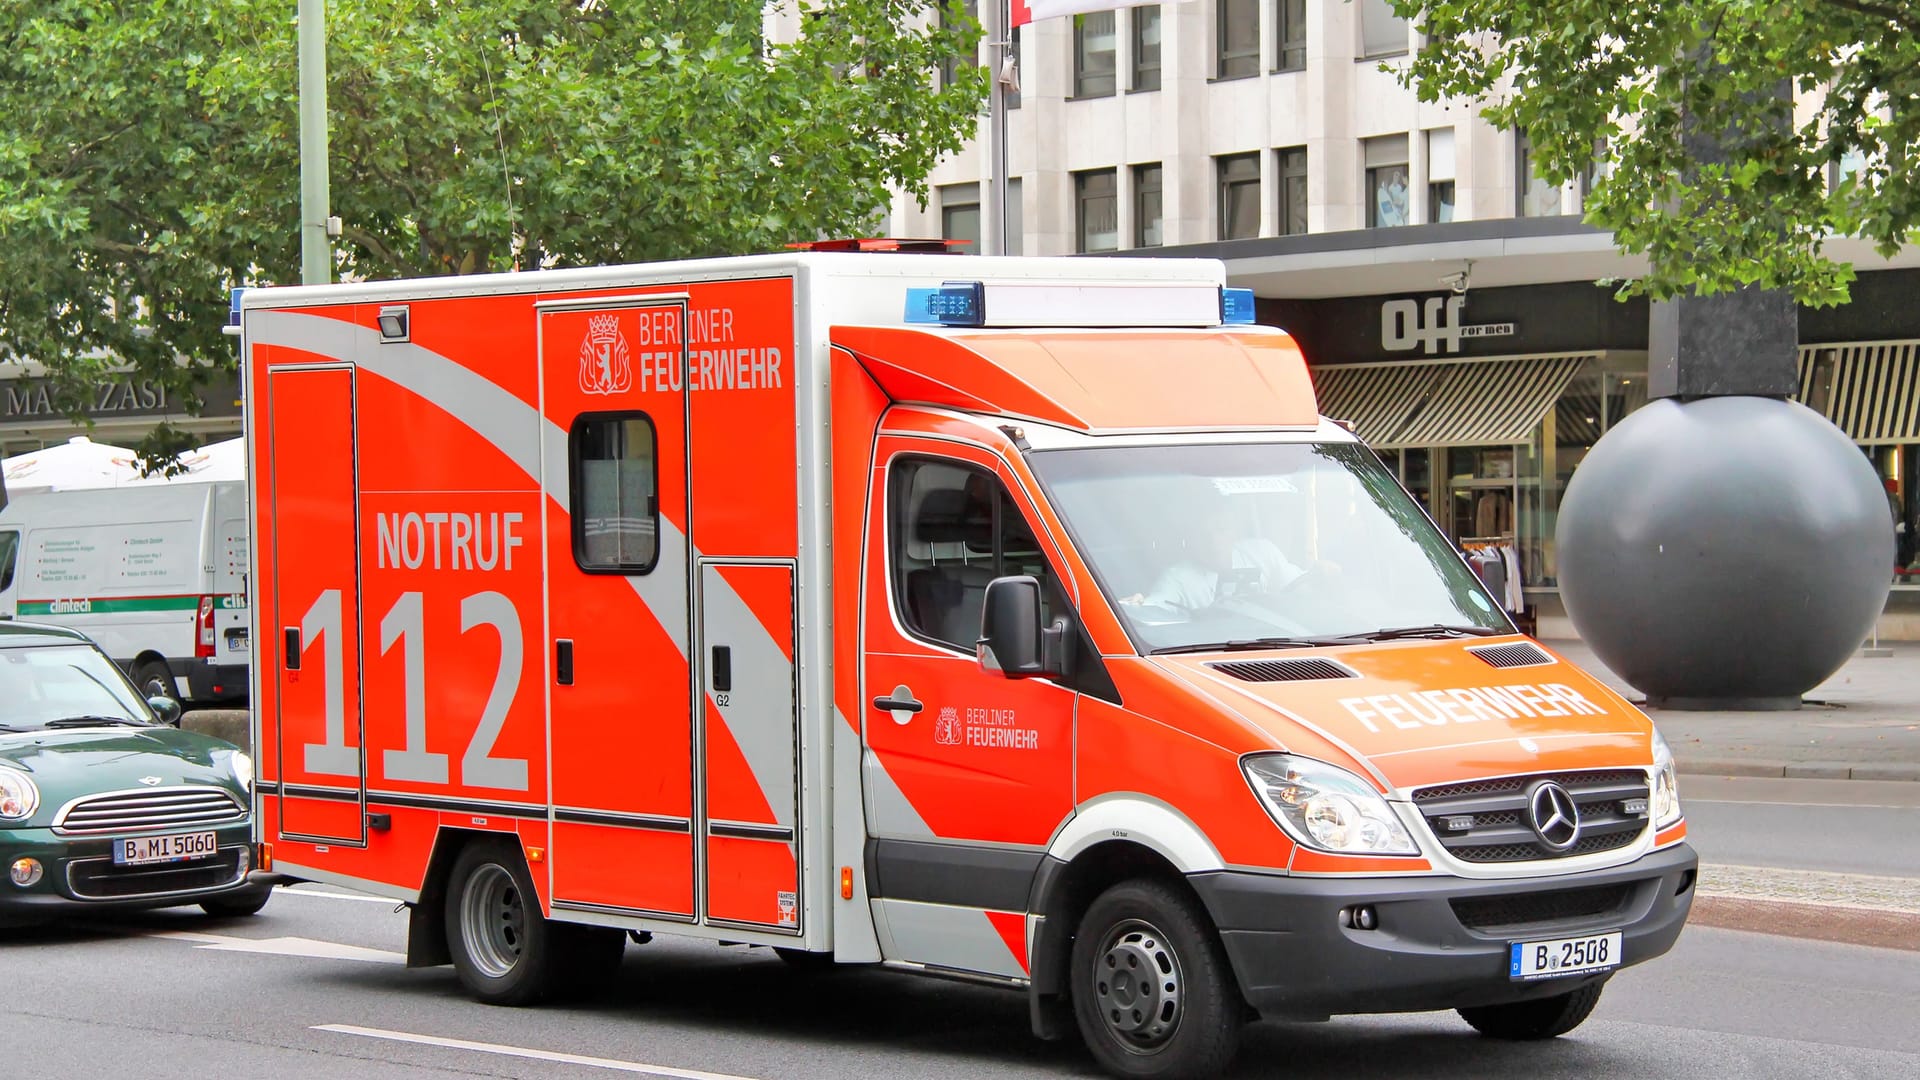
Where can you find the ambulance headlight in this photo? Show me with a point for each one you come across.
(1327, 808)
(19, 798)
(1666, 789)
(242, 768)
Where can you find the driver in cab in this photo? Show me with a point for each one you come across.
(1224, 564)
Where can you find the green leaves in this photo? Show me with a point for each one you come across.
(149, 151)
(1645, 80)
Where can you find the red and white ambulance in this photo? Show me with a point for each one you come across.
(1013, 619)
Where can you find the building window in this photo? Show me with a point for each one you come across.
(1440, 178)
(1536, 197)
(952, 12)
(960, 214)
(1093, 54)
(1016, 218)
(1292, 216)
(1386, 181)
(615, 524)
(1146, 48)
(1097, 210)
(1382, 33)
(1238, 47)
(1290, 35)
(1239, 195)
(1146, 207)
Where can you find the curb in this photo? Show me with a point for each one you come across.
(1803, 770)
(1875, 927)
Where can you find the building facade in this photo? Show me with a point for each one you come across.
(1443, 295)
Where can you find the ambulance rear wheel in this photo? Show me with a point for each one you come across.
(1152, 990)
(503, 950)
(1546, 1018)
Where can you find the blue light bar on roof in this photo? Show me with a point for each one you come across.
(1236, 307)
(956, 303)
(233, 305)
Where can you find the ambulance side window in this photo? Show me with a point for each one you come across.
(954, 529)
(615, 493)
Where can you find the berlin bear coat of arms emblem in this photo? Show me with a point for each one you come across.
(605, 367)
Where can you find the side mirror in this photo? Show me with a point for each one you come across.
(1012, 641)
(166, 708)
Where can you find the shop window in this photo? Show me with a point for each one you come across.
(1386, 181)
(614, 493)
(1382, 33)
(955, 529)
(1290, 35)
(1096, 210)
(1237, 50)
(1094, 50)
(1292, 211)
(1148, 230)
(1239, 195)
(960, 213)
(1145, 69)
(1440, 177)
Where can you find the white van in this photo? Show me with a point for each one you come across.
(155, 573)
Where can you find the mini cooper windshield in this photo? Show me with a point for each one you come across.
(1262, 545)
(64, 686)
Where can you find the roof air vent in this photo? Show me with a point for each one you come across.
(1518, 654)
(1284, 670)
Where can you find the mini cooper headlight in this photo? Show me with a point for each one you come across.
(243, 769)
(1325, 807)
(19, 798)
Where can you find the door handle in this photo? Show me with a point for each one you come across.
(292, 659)
(563, 661)
(901, 700)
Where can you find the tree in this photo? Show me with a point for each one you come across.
(1811, 103)
(149, 149)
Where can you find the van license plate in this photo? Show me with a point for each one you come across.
(1529, 960)
(159, 849)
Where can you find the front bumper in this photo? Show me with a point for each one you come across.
(79, 876)
(1294, 959)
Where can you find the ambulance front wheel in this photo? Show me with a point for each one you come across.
(1152, 989)
(505, 952)
(1546, 1018)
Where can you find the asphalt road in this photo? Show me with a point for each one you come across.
(1844, 826)
(313, 988)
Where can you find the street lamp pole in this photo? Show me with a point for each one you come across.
(316, 255)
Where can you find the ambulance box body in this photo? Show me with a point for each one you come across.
(1015, 619)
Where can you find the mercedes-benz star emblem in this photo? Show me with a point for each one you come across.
(1554, 815)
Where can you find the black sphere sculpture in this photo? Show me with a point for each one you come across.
(1724, 553)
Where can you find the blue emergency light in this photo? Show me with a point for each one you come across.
(956, 303)
(233, 305)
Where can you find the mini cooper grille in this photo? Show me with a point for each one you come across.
(1517, 655)
(1522, 910)
(134, 811)
(1486, 821)
(100, 879)
(1284, 670)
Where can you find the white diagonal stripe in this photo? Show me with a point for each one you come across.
(527, 1053)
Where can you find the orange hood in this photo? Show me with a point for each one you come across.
(1429, 712)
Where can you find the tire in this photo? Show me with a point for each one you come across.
(236, 905)
(1185, 1022)
(813, 963)
(148, 672)
(1545, 1018)
(504, 951)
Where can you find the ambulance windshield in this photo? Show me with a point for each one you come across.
(1250, 543)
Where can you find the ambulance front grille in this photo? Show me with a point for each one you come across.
(1522, 911)
(148, 808)
(1487, 821)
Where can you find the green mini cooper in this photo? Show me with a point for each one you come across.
(104, 805)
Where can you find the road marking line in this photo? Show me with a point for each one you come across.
(389, 901)
(1688, 801)
(524, 1052)
(283, 946)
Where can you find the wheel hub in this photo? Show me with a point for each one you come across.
(1137, 985)
(494, 919)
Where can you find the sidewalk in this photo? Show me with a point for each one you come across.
(1861, 724)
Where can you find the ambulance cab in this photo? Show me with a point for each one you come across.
(1019, 620)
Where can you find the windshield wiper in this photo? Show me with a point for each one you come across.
(1247, 644)
(1428, 630)
(92, 721)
